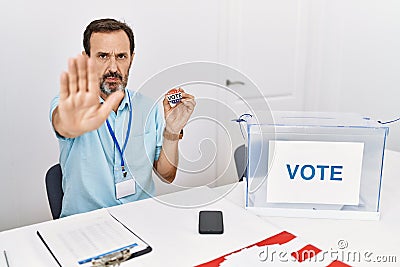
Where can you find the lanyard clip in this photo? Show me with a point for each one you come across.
(124, 172)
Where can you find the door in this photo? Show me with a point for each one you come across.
(265, 41)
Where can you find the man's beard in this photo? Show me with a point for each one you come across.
(108, 88)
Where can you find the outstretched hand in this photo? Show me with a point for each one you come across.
(176, 117)
(79, 110)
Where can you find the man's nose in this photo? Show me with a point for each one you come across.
(112, 65)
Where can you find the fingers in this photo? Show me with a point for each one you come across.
(64, 92)
(81, 64)
(187, 100)
(166, 105)
(187, 96)
(93, 81)
(78, 74)
(189, 103)
(72, 76)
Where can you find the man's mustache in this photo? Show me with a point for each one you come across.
(112, 75)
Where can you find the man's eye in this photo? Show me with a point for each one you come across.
(103, 56)
(122, 56)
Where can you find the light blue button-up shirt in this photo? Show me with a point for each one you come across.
(91, 163)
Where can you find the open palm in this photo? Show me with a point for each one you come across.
(79, 109)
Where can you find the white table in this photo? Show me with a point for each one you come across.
(171, 229)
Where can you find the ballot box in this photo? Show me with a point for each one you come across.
(308, 164)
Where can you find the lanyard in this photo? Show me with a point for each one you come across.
(110, 130)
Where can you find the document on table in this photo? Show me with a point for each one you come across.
(79, 239)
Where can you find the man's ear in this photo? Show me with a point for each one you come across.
(130, 63)
(132, 56)
(84, 53)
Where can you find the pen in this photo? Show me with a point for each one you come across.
(5, 256)
(48, 248)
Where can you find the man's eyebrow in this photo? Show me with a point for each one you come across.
(108, 53)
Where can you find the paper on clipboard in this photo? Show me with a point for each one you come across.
(77, 240)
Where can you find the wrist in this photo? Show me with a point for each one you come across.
(171, 136)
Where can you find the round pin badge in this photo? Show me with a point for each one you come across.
(174, 96)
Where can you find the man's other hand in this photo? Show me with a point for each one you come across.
(176, 117)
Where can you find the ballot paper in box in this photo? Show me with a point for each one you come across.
(307, 164)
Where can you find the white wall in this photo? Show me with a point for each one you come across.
(354, 60)
(352, 64)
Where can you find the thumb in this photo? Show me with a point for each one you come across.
(166, 105)
(112, 101)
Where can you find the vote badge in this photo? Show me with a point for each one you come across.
(174, 96)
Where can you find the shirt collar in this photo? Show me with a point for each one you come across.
(125, 101)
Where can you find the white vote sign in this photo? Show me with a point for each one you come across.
(314, 172)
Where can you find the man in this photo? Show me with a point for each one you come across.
(110, 138)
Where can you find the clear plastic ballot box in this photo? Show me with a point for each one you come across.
(322, 165)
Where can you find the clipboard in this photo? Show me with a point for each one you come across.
(92, 239)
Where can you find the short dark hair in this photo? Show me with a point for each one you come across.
(106, 25)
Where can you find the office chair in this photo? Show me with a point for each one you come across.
(240, 156)
(54, 190)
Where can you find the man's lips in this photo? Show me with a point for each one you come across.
(112, 79)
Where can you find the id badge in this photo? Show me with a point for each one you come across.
(125, 186)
